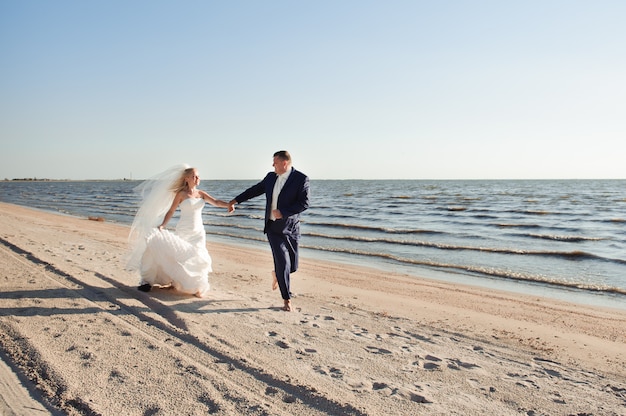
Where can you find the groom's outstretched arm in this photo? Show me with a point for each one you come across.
(251, 192)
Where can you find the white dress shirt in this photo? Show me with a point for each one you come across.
(278, 186)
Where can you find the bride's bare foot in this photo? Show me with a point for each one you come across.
(287, 307)
(274, 281)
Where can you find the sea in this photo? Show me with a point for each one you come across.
(561, 239)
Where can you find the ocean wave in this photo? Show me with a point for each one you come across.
(372, 228)
(534, 212)
(562, 229)
(236, 214)
(517, 225)
(479, 270)
(567, 238)
(235, 226)
(572, 255)
(251, 237)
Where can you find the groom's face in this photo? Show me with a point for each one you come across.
(280, 165)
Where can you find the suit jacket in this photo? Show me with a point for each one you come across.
(292, 200)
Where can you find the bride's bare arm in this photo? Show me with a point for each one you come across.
(213, 201)
(177, 200)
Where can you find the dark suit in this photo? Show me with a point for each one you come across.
(283, 234)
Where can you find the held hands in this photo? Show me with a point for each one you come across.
(231, 206)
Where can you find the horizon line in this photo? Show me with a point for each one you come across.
(34, 179)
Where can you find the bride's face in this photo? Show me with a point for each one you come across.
(193, 179)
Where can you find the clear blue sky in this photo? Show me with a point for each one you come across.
(353, 89)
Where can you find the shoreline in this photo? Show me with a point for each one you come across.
(546, 289)
(361, 342)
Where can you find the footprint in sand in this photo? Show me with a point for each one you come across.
(117, 376)
(522, 380)
(87, 358)
(334, 372)
(478, 386)
(391, 390)
(360, 332)
(283, 345)
(376, 350)
(358, 385)
(396, 335)
(418, 337)
(458, 364)
(543, 367)
(313, 320)
(431, 363)
(319, 369)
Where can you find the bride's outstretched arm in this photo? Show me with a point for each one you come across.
(213, 201)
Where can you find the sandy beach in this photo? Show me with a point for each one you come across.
(78, 338)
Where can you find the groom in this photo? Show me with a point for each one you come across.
(287, 194)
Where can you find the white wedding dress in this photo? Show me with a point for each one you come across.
(179, 259)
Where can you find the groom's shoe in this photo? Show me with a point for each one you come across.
(145, 287)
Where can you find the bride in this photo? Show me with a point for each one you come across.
(178, 259)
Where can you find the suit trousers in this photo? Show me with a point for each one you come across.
(285, 252)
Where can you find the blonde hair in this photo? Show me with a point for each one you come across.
(181, 183)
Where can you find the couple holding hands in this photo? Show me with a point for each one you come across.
(180, 259)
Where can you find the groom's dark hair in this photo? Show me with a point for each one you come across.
(283, 154)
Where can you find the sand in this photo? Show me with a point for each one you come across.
(78, 338)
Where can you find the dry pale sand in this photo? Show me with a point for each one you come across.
(78, 338)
